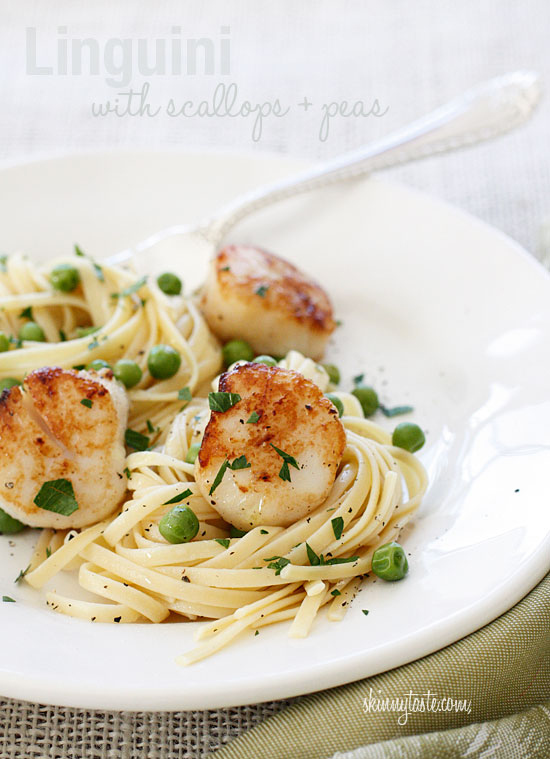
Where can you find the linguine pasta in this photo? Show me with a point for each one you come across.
(238, 581)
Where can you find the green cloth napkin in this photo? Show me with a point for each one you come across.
(503, 669)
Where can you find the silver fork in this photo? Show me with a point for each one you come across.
(481, 113)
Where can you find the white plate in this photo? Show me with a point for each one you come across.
(438, 310)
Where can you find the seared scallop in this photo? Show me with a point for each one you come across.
(67, 426)
(258, 297)
(272, 457)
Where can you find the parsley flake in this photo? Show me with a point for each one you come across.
(358, 379)
(62, 336)
(365, 611)
(337, 527)
(395, 411)
(184, 394)
(48, 552)
(240, 463)
(98, 271)
(131, 289)
(253, 418)
(3, 261)
(136, 440)
(222, 402)
(57, 496)
(225, 542)
(284, 472)
(26, 313)
(264, 532)
(219, 477)
(8, 599)
(128, 473)
(86, 402)
(314, 560)
(280, 563)
(78, 251)
(335, 592)
(180, 497)
(22, 574)
(262, 290)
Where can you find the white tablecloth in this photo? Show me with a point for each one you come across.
(408, 57)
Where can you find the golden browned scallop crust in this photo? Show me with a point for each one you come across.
(46, 434)
(295, 417)
(258, 297)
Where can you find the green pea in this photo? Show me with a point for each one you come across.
(8, 382)
(163, 361)
(65, 278)
(169, 283)
(408, 436)
(179, 525)
(237, 350)
(4, 342)
(336, 402)
(367, 397)
(267, 360)
(127, 372)
(333, 373)
(85, 331)
(9, 525)
(192, 453)
(97, 364)
(389, 562)
(32, 331)
(234, 532)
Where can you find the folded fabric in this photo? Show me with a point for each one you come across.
(487, 695)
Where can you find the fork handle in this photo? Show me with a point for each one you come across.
(481, 113)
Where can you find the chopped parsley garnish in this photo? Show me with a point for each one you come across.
(8, 599)
(26, 313)
(48, 552)
(365, 611)
(284, 473)
(277, 563)
(335, 592)
(3, 261)
(184, 394)
(256, 633)
(264, 532)
(337, 527)
(234, 532)
(150, 428)
(131, 289)
(22, 573)
(261, 291)
(314, 560)
(395, 411)
(93, 344)
(222, 402)
(78, 251)
(128, 473)
(224, 268)
(238, 463)
(179, 498)
(85, 331)
(78, 367)
(62, 336)
(358, 379)
(58, 496)
(219, 477)
(136, 440)
(225, 542)
(320, 560)
(86, 402)
(98, 271)
(16, 341)
(253, 418)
